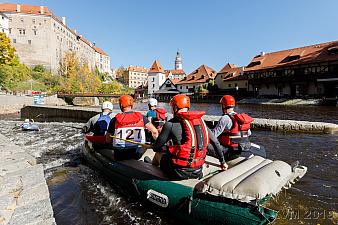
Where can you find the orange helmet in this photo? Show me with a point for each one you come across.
(181, 101)
(125, 101)
(228, 101)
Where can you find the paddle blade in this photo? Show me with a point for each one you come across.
(96, 139)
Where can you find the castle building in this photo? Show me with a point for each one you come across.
(4, 23)
(42, 38)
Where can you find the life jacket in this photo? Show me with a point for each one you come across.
(161, 117)
(239, 131)
(129, 126)
(195, 138)
(101, 126)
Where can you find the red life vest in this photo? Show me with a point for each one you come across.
(191, 153)
(161, 117)
(129, 126)
(240, 127)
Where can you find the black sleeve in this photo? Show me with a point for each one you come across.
(164, 136)
(145, 120)
(111, 128)
(217, 146)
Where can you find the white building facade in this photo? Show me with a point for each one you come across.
(4, 25)
(135, 76)
(156, 77)
(41, 38)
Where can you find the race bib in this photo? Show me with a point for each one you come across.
(135, 134)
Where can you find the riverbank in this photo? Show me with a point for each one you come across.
(24, 195)
(82, 114)
(13, 103)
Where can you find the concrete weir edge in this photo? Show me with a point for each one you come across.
(24, 194)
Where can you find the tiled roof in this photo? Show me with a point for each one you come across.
(99, 50)
(27, 9)
(176, 72)
(156, 67)
(200, 75)
(174, 80)
(138, 69)
(230, 71)
(323, 52)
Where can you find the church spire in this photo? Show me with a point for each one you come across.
(178, 62)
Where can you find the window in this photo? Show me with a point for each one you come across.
(229, 85)
(33, 20)
(187, 87)
(153, 85)
(10, 30)
(168, 85)
(22, 31)
(35, 32)
(14, 40)
(153, 79)
(181, 87)
(21, 20)
(30, 42)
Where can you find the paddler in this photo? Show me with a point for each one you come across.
(129, 125)
(189, 137)
(233, 131)
(98, 124)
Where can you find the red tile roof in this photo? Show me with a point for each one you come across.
(99, 50)
(156, 67)
(174, 80)
(176, 72)
(296, 56)
(200, 75)
(231, 72)
(27, 9)
(138, 69)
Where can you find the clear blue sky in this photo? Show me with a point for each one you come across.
(213, 32)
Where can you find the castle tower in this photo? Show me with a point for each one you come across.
(178, 62)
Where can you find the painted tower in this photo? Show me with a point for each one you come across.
(178, 62)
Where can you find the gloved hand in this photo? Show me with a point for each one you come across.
(224, 166)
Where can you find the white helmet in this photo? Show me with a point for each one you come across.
(107, 105)
(26, 121)
(152, 102)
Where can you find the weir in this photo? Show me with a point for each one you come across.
(82, 114)
(24, 194)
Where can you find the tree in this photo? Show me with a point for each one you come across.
(7, 52)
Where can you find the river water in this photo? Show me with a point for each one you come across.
(81, 195)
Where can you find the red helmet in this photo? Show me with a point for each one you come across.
(125, 101)
(228, 101)
(180, 101)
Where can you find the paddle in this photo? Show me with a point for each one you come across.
(145, 146)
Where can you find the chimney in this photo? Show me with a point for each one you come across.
(94, 43)
(75, 32)
(18, 8)
(64, 20)
(262, 53)
(42, 10)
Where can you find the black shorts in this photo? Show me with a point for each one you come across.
(131, 153)
(178, 173)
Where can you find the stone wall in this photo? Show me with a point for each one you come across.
(24, 194)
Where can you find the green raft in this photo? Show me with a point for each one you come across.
(235, 196)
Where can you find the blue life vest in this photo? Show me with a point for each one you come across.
(101, 125)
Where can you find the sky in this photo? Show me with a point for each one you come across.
(213, 32)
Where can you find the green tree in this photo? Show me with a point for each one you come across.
(7, 52)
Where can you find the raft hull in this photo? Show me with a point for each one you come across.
(183, 199)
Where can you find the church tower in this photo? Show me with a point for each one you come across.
(178, 62)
